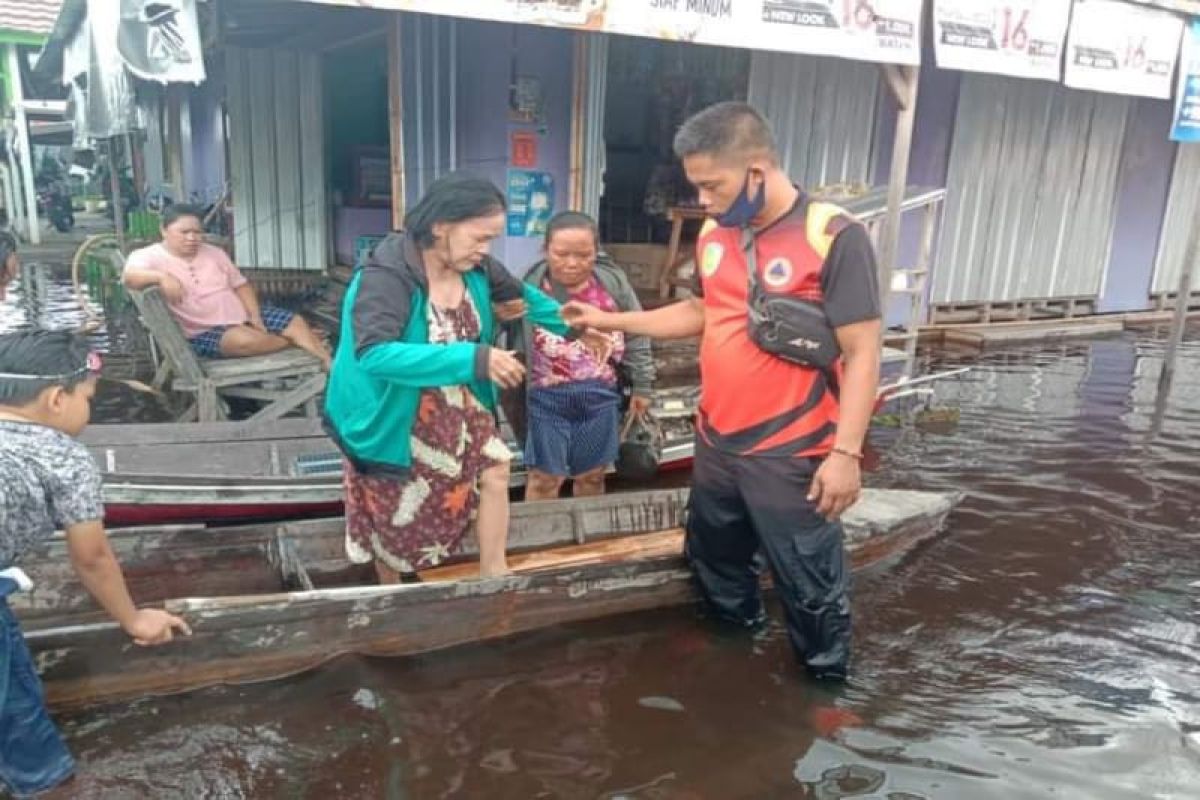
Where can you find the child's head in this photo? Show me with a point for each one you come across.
(48, 377)
(10, 264)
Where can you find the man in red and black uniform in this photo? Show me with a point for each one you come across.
(778, 444)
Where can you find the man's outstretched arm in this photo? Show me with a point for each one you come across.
(679, 320)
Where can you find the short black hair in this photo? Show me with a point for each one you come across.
(42, 359)
(570, 221)
(177, 211)
(453, 198)
(726, 129)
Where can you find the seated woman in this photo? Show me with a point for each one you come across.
(214, 303)
(411, 397)
(574, 403)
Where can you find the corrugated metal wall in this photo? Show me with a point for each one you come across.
(277, 154)
(429, 71)
(1031, 192)
(595, 86)
(150, 111)
(1183, 213)
(822, 111)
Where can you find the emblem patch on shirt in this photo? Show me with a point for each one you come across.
(778, 273)
(711, 258)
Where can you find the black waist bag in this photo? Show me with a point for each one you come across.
(788, 327)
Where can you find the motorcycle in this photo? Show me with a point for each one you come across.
(130, 199)
(54, 202)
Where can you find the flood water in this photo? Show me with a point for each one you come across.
(45, 297)
(1044, 647)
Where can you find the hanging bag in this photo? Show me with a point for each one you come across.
(641, 447)
(786, 326)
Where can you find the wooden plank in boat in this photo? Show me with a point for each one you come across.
(626, 548)
(170, 561)
(122, 435)
(532, 525)
(158, 563)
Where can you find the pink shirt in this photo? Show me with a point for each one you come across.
(208, 281)
(557, 361)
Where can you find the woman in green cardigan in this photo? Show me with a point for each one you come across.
(412, 391)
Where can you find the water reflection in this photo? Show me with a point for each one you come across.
(44, 297)
(1047, 646)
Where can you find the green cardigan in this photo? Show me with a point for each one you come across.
(384, 358)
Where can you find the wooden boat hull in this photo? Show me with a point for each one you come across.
(227, 584)
(159, 474)
(134, 500)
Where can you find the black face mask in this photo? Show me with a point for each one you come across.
(743, 210)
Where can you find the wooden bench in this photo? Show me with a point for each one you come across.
(299, 373)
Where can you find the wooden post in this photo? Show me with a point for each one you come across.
(137, 167)
(668, 268)
(12, 190)
(396, 121)
(25, 150)
(579, 90)
(114, 185)
(1190, 256)
(902, 81)
(174, 142)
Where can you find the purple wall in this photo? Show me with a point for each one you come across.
(486, 64)
(349, 223)
(1142, 188)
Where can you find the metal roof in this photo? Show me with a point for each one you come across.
(1182, 6)
(29, 16)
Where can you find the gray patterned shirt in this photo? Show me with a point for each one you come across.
(48, 481)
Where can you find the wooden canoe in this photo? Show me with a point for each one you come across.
(270, 600)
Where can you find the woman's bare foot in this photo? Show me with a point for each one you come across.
(494, 570)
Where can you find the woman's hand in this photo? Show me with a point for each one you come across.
(600, 345)
(638, 405)
(171, 288)
(509, 311)
(504, 368)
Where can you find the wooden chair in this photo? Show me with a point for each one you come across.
(299, 373)
(668, 276)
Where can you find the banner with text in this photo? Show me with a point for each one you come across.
(1187, 103)
(1022, 38)
(887, 31)
(1120, 48)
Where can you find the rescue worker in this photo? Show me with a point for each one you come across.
(778, 444)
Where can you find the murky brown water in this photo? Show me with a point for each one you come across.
(44, 297)
(1045, 647)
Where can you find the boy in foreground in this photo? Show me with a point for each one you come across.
(48, 482)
